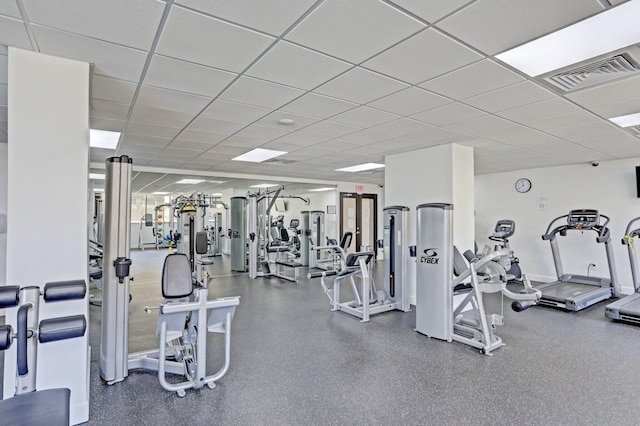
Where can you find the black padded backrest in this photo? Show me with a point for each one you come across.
(459, 265)
(176, 276)
(284, 235)
(354, 258)
(345, 242)
(201, 242)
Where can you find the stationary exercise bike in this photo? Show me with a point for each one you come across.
(503, 231)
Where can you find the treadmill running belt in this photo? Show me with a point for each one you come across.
(567, 290)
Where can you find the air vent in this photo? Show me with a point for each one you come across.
(602, 71)
(635, 131)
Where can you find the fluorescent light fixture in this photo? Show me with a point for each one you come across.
(259, 155)
(264, 185)
(103, 139)
(98, 189)
(190, 181)
(99, 176)
(160, 193)
(321, 189)
(216, 181)
(627, 120)
(605, 32)
(361, 167)
(217, 194)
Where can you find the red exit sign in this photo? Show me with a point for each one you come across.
(359, 189)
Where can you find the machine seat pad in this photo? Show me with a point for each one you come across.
(278, 249)
(42, 408)
(290, 264)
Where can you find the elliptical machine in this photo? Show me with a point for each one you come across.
(504, 229)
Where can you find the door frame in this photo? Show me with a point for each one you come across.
(358, 236)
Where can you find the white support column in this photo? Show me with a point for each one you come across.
(48, 159)
(439, 174)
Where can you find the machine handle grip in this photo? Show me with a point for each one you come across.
(23, 335)
(321, 274)
(520, 306)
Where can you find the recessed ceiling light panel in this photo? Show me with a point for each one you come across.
(321, 189)
(613, 29)
(259, 155)
(627, 120)
(361, 167)
(190, 181)
(97, 176)
(103, 139)
(264, 185)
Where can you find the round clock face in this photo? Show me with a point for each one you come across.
(523, 185)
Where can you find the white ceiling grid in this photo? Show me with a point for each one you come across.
(194, 83)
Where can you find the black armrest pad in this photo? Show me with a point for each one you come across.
(54, 329)
(64, 290)
(9, 296)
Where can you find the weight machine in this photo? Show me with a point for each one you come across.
(185, 317)
(435, 313)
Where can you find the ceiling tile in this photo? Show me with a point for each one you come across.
(296, 66)
(302, 138)
(606, 94)
(261, 93)
(474, 79)
(365, 137)
(320, 106)
(111, 89)
(108, 109)
(152, 131)
(184, 76)
(423, 56)
(190, 145)
(353, 30)
(450, 113)
(10, 8)
(598, 134)
(108, 59)
(262, 133)
(436, 136)
(13, 33)
(477, 126)
(564, 120)
(432, 10)
(203, 40)
(364, 117)
(155, 97)
(539, 110)
(409, 101)
(281, 14)
(124, 22)
(272, 120)
(509, 97)
(141, 140)
(360, 86)
(202, 137)
(331, 128)
(631, 106)
(401, 127)
(160, 117)
(494, 26)
(233, 111)
(220, 127)
(107, 124)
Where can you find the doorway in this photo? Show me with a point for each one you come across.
(359, 214)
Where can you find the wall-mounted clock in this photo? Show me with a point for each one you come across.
(523, 185)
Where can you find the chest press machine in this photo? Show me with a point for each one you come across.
(185, 317)
(30, 406)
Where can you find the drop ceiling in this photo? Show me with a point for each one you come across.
(193, 83)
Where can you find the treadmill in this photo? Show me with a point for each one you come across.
(628, 308)
(575, 292)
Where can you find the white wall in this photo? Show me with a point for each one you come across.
(610, 188)
(49, 150)
(3, 212)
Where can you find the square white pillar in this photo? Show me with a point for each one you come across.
(47, 205)
(439, 174)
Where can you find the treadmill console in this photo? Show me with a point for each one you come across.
(583, 219)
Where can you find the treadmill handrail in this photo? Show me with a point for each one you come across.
(630, 233)
(604, 234)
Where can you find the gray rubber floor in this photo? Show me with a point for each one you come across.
(296, 363)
